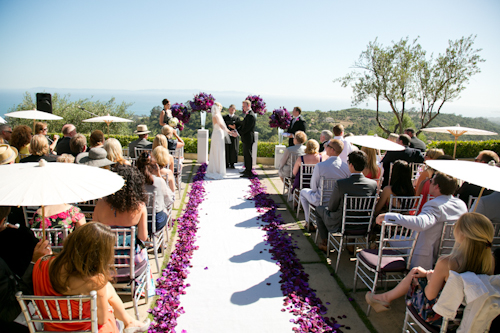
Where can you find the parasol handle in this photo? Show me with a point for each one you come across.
(477, 200)
(43, 223)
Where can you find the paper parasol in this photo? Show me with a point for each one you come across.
(457, 131)
(42, 184)
(33, 114)
(2, 121)
(108, 120)
(480, 174)
(374, 142)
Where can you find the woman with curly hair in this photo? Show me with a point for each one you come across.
(20, 139)
(126, 207)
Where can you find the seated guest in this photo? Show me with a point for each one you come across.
(8, 154)
(372, 170)
(96, 157)
(126, 207)
(59, 216)
(66, 158)
(169, 132)
(393, 137)
(414, 141)
(468, 189)
(471, 253)
(5, 133)
(19, 249)
(62, 147)
(165, 197)
(162, 157)
(431, 154)
(42, 128)
(96, 139)
(400, 186)
(329, 218)
(324, 137)
(338, 131)
(409, 155)
(39, 148)
(82, 266)
(115, 152)
(298, 149)
(312, 156)
(443, 208)
(332, 168)
(141, 142)
(20, 139)
(78, 144)
(488, 206)
(161, 140)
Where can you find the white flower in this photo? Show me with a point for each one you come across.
(173, 122)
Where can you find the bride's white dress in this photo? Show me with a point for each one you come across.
(217, 158)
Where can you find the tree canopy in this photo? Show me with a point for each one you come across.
(402, 76)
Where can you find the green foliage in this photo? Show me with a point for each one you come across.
(466, 149)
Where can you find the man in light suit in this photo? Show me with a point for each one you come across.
(488, 206)
(297, 124)
(141, 142)
(329, 218)
(298, 149)
(443, 208)
(332, 168)
(246, 131)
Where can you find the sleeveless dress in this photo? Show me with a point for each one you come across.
(43, 287)
(217, 159)
(64, 219)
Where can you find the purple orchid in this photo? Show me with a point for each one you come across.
(280, 118)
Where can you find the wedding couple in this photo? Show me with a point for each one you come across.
(220, 135)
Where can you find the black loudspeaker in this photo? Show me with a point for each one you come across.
(44, 102)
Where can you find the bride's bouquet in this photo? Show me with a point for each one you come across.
(202, 102)
(176, 123)
(280, 118)
(181, 112)
(258, 104)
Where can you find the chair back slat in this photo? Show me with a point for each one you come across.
(55, 236)
(416, 170)
(358, 212)
(306, 170)
(406, 205)
(397, 238)
(447, 240)
(139, 151)
(325, 190)
(29, 212)
(472, 201)
(293, 159)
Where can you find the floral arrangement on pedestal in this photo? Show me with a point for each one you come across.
(258, 104)
(202, 102)
(181, 112)
(176, 123)
(280, 118)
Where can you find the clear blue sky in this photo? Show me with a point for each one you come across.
(272, 48)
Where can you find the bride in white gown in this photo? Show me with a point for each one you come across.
(217, 159)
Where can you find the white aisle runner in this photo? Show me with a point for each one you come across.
(234, 283)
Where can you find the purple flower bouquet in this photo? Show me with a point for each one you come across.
(258, 104)
(181, 112)
(202, 102)
(280, 118)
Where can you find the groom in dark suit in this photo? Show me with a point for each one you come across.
(246, 131)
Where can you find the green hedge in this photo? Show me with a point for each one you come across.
(466, 149)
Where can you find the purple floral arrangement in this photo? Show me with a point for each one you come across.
(258, 104)
(280, 118)
(300, 299)
(171, 284)
(202, 102)
(181, 112)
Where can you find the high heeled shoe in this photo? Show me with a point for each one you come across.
(377, 305)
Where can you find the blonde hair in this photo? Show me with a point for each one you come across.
(300, 136)
(434, 153)
(219, 105)
(473, 253)
(160, 140)
(312, 147)
(167, 131)
(66, 158)
(161, 155)
(393, 137)
(114, 150)
(371, 161)
(39, 145)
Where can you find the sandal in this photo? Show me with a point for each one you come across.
(137, 329)
(377, 305)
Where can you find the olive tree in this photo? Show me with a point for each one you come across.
(402, 76)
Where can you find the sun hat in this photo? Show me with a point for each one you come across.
(95, 157)
(7, 154)
(142, 129)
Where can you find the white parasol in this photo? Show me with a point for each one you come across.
(457, 131)
(2, 121)
(480, 174)
(108, 120)
(374, 142)
(42, 184)
(33, 114)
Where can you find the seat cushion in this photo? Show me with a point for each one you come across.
(123, 274)
(430, 328)
(388, 264)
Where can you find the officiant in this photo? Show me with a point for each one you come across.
(232, 121)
